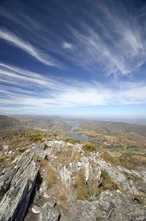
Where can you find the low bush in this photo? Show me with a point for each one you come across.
(107, 182)
(88, 147)
(69, 140)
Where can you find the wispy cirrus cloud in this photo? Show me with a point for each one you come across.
(58, 94)
(107, 39)
(28, 48)
(118, 51)
(67, 45)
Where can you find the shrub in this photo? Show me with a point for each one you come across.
(88, 147)
(69, 140)
(107, 182)
(21, 150)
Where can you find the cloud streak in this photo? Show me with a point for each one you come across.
(120, 57)
(27, 47)
(56, 94)
(111, 42)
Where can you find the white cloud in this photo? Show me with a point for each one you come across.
(67, 45)
(27, 47)
(115, 45)
(57, 94)
(112, 40)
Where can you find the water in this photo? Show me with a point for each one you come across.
(77, 137)
(75, 125)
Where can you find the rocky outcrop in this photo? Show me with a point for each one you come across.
(110, 205)
(16, 186)
(69, 174)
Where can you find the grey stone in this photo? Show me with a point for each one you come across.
(110, 205)
(16, 186)
(49, 213)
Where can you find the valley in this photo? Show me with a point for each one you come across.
(71, 174)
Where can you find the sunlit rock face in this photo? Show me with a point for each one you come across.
(16, 186)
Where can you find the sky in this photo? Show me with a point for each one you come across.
(73, 58)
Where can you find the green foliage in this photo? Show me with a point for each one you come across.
(36, 137)
(88, 147)
(104, 173)
(107, 182)
(1, 147)
(69, 140)
(21, 150)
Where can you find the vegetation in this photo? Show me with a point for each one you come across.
(88, 147)
(69, 140)
(80, 186)
(50, 173)
(88, 190)
(131, 162)
(109, 158)
(106, 182)
(38, 136)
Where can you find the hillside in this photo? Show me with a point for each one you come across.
(112, 127)
(45, 123)
(9, 125)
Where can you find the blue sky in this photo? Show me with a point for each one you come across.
(73, 57)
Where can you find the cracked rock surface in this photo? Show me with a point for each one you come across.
(16, 186)
(110, 205)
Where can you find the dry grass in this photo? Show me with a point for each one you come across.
(61, 197)
(44, 164)
(109, 158)
(7, 160)
(88, 147)
(66, 156)
(107, 182)
(50, 175)
(131, 162)
(79, 185)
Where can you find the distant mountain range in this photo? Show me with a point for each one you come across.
(112, 127)
(9, 125)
